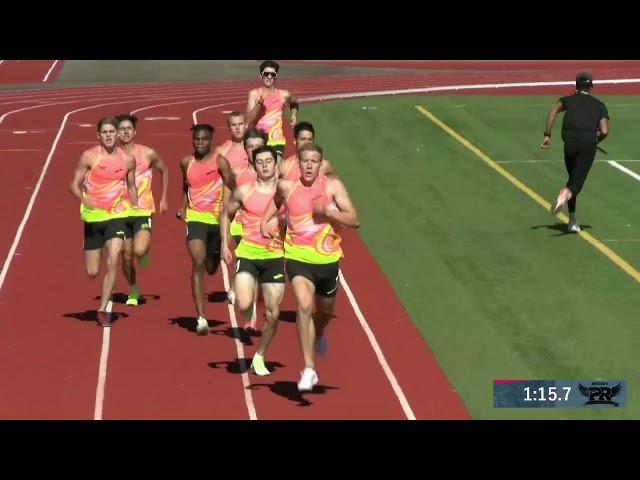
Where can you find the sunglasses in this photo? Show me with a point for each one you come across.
(269, 74)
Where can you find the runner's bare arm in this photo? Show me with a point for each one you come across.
(551, 118)
(254, 105)
(272, 208)
(603, 129)
(294, 106)
(228, 212)
(327, 169)
(346, 213)
(131, 179)
(226, 173)
(268, 214)
(84, 164)
(280, 168)
(225, 192)
(157, 163)
(184, 164)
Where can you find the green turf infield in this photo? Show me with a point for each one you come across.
(496, 288)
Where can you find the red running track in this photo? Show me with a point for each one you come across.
(29, 71)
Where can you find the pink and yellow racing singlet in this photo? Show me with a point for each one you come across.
(270, 121)
(144, 176)
(205, 191)
(247, 176)
(105, 185)
(236, 155)
(307, 241)
(253, 245)
(291, 168)
(239, 163)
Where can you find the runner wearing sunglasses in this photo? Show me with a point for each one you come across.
(265, 107)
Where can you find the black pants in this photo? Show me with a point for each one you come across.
(578, 158)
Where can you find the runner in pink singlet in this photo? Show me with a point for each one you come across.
(316, 206)
(252, 139)
(265, 107)
(303, 133)
(259, 259)
(104, 175)
(138, 221)
(204, 174)
(233, 150)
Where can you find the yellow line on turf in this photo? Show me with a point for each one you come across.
(610, 254)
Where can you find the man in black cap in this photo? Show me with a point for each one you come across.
(585, 124)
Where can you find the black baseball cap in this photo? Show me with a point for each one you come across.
(584, 78)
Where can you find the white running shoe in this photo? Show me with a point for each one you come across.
(563, 197)
(308, 379)
(203, 326)
(573, 228)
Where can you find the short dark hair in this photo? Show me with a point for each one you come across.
(263, 149)
(310, 147)
(124, 117)
(269, 64)
(107, 121)
(202, 126)
(254, 133)
(303, 127)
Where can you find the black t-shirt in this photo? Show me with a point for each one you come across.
(582, 117)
